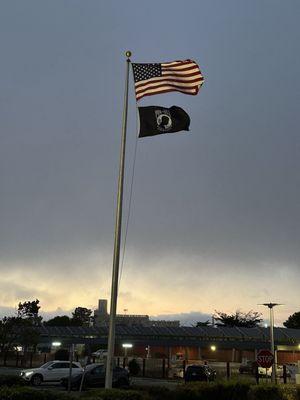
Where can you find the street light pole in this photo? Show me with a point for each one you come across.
(271, 307)
(272, 341)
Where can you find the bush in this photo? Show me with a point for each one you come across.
(156, 392)
(11, 380)
(113, 394)
(191, 391)
(199, 391)
(237, 390)
(262, 392)
(134, 367)
(212, 391)
(196, 391)
(290, 392)
(27, 393)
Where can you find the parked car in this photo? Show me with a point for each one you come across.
(248, 367)
(199, 373)
(100, 353)
(52, 371)
(94, 376)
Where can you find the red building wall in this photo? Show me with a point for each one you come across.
(288, 357)
(196, 353)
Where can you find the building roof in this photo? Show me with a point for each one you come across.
(182, 335)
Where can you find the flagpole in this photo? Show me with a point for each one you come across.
(117, 242)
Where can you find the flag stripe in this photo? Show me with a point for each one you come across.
(169, 78)
(159, 87)
(165, 85)
(180, 68)
(172, 63)
(183, 76)
(169, 82)
(175, 75)
(166, 88)
(191, 92)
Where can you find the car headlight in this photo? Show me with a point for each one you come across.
(28, 373)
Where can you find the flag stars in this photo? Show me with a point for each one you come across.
(146, 71)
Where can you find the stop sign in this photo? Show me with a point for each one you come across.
(265, 358)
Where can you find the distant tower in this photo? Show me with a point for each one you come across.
(100, 315)
(102, 307)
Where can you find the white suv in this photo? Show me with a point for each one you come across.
(52, 371)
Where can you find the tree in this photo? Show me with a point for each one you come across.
(250, 319)
(202, 323)
(63, 320)
(81, 316)
(28, 322)
(293, 321)
(29, 310)
(28, 334)
(8, 333)
(17, 331)
(21, 329)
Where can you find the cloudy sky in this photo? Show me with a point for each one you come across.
(215, 212)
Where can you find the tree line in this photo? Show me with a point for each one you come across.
(250, 319)
(22, 329)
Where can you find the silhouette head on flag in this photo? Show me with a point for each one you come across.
(155, 120)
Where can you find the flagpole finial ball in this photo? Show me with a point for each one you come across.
(128, 54)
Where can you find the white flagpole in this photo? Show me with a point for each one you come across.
(117, 242)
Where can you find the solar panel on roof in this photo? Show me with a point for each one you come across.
(258, 333)
(279, 334)
(212, 332)
(251, 332)
(231, 332)
(293, 333)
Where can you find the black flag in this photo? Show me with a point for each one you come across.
(155, 120)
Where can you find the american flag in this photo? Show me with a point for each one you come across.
(180, 76)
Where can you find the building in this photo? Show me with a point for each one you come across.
(101, 318)
(189, 343)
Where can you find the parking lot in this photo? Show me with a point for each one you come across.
(135, 381)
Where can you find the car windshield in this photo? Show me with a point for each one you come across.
(197, 368)
(47, 364)
(91, 366)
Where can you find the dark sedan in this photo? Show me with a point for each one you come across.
(199, 373)
(249, 367)
(94, 376)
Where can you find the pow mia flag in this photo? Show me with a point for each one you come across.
(155, 120)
